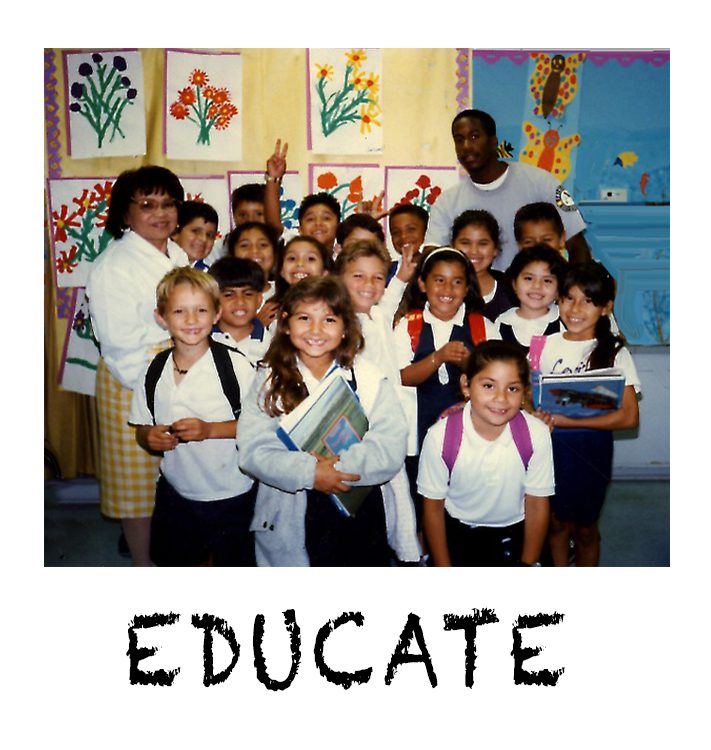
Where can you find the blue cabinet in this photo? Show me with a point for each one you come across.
(633, 243)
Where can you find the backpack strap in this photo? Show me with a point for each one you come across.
(535, 350)
(453, 431)
(522, 438)
(226, 373)
(477, 328)
(415, 321)
(153, 373)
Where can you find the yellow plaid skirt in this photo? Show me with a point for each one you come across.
(128, 473)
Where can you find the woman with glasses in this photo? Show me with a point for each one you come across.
(121, 288)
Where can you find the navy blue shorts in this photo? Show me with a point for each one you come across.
(483, 546)
(195, 532)
(582, 460)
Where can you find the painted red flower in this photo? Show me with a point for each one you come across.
(103, 192)
(221, 96)
(84, 201)
(179, 111)
(356, 190)
(433, 195)
(67, 262)
(186, 96)
(198, 78)
(208, 92)
(327, 180)
(62, 220)
(423, 181)
(411, 195)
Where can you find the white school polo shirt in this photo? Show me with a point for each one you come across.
(198, 469)
(488, 480)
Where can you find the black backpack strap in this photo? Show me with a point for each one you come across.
(153, 374)
(226, 373)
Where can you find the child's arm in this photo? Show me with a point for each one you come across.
(454, 352)
(624, 418)
(435, 532)
(535, 527)
(276, 168)
(194, 429)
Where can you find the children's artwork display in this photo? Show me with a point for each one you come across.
(78, 210)
(290, 193)
(344, 101)
(203, 105)
(347, 183)
(213, 191)
(420, 186)
(105, 103)
(80, 355)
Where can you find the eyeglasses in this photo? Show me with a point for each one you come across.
(150, 205)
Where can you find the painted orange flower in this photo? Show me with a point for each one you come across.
(222, 122)
(179, 111)
(103, 192)
(67, 262)
(221, 96)
(324, 71)
(209, 92)
(212, 111)
(356, 57)
(84, 201)
(355, 193)
(186, 96)
(198, 77)
(327, 180)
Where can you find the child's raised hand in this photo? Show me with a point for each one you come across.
(268, 312)
(408, 264)
(190, 428)
(159, 438)
(276, 163)
(328, 479)
(373, 208)
(454, 352)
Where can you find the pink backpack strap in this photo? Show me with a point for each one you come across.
(522, 438)
(453, 431)
(535, 350)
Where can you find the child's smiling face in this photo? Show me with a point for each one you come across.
(197, 238)
(239, 307)
(364, 278)
(475, 242)
(254, 245)
(320, 222)
(445, 287)
(301, 259)
(316, 332)
(189, 315)
(536, 288)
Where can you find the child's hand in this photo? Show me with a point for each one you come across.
(373, 208)
(159, 438)
(454, 352)
(190, 428)
(276, 163)
(408, 264)
(328, 479)
(268, 312)
(547, 417)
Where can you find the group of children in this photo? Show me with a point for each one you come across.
(435, 345)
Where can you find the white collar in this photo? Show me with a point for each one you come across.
(456, 320)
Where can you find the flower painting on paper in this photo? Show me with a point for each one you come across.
(203, 116)
(347, 183)
(345, 101)
(78, 212)
(105, 103)
(77, 371)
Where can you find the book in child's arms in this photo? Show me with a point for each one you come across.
(328, 422)
(584, 394)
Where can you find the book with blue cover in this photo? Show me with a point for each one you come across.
(328, 422)
(585, 394)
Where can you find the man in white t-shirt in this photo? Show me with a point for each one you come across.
(501, 189)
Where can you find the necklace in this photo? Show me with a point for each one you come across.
(178, 370)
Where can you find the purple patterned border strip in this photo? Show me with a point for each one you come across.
(462, 78)
(656, 57)
(51, 115)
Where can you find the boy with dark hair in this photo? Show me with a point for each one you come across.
(539, 224)
(247, 203)
(196, 231)
(241, 282)
(408, 225)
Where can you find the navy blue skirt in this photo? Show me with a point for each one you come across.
(582, 460)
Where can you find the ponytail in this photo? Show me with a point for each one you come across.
(605, 351)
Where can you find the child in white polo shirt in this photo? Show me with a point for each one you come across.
(486, 470)
(186, 406)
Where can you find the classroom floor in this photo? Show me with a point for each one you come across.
(634, 526)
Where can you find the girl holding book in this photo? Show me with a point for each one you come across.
(582, 447)
(296, 522)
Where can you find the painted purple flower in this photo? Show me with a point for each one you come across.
(120, 63)
(77, 90)
(131, 94)
(96, 57)
(125, 81)
(85, 69)
(75, 107)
